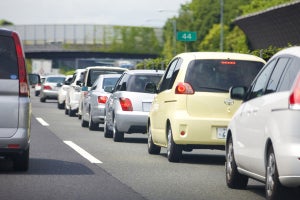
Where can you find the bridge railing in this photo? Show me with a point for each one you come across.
(56, 35)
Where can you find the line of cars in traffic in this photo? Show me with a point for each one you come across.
(209, 100)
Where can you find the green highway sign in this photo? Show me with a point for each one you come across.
(186, 36)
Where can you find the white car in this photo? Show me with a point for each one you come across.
(93, 105)
(263, 139)
(50, 87)
(73, 93)
(62, 92)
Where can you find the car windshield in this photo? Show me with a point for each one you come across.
(94, 73)
(220, 75)
(56, 79)
(137, 83)
(109, 81)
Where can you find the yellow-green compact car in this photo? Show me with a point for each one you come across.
(192, 107)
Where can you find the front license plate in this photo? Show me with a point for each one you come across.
(221, 133)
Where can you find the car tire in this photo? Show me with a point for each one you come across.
(92, 125)
(60, 105)
(234, 179)
(37, 93)
(107, 133)
(21, 161)
(174, 151)
(66, 111)
(84, 123)
(71, 112)
(117, 136)
(274, 189)
(42, 99)
(152, 148)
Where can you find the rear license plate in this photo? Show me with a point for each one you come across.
(221, 133)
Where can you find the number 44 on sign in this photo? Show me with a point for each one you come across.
(186, 36)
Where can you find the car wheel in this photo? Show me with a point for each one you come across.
(71, 112)
(152, 148)
(37, 93)
(233, 178)
(42, 99)
(21, 161)
(174, 151)
(84, 123)
(117, 136)
(107, 133)
(66, 111)
(92, 125)
(60, 105)
(274, 190)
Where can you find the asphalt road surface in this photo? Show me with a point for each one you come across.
(71, 162)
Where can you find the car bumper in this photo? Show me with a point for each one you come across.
(131, 121)
(197, 131)
(288, 162)
(98, 113)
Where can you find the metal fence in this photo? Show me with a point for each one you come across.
(68, 34)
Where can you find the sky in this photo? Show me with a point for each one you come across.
(103, 12)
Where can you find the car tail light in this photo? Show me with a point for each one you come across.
(47, 87)
(102, 99)
(294, 100)
(184, 88)
(23, 82)
(126, 104)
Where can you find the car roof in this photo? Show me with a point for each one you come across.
(145, 71)
(220, 55)
(294, 51)
(106, 67)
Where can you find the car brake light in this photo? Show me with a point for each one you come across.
(102, 99)
(184, 88)
(126, 104)
(294, 100)
(23, 82)
(47, 87)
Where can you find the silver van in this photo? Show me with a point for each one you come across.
(15, 103)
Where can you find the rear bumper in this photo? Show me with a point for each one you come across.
(131, 121)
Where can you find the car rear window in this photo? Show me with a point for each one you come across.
(8, 59)
(137, 83)
(56, 79)
(220, 75)
(94, 73)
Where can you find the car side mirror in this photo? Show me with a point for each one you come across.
(151, 87)
(238, 92)
(84, 88)
(78, 83)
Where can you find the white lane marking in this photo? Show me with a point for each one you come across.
(82, 152)
(42, 121)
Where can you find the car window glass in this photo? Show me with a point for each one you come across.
(290, 75)
(121, 84)
(109, 82)
(94, 73)
(137, 83)
(55, 79)
(167, 79)
(276, 75)
(260, 83)
(219, 75)
(8, 59)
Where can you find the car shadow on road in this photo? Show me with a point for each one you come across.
(204, 159)
(42, 166)
(136, 140)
